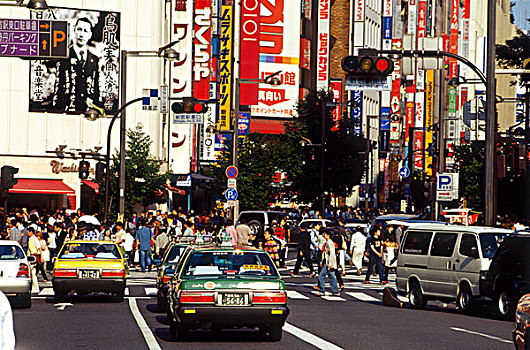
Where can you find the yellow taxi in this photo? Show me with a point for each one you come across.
(89, 267)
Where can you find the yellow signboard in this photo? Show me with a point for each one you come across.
(429, 116)
(225, 68)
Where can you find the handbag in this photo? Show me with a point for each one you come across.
(136, 256)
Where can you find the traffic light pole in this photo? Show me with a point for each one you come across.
(490, 186)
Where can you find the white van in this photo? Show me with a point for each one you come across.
(445, 262)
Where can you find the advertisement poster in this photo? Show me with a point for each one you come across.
(335, 86)
(429, 117)
(225, 68)
(323, 44)
(279, 51)
(202, 49)
(90, 75)
(250, 12)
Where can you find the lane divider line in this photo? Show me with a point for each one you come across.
(481, 334)
(310, 338)
(150, 339)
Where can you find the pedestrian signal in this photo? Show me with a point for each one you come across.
(84, 169)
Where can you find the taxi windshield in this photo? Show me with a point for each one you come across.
(174, 254)
(90, 250)
(238, 263)
(10, 252)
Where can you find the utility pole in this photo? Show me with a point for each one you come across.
(322, 162)
(490, 190)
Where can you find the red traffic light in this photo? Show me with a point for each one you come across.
(200, 107)
(384, 65)
(189, 105)
(368, 65)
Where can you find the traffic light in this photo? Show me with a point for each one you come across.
(100, 171)
(84, 169)
(367, 66)
(8, 177)
(189, 105)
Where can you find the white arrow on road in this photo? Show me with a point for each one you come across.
(62, 306)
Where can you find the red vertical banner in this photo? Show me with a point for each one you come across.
(395, 98)
(422, 18)
(453, 65)
(249, 69)
(202, 19)
(418, 147)
(336, 87)
(463, 96)
(305, 53)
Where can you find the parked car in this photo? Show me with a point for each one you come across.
(226, 287)
(508, 276)
(89, 267)
(445, 262)
(309, 223)
(166, 269)
(15, 273)
(260, 220)
(521, 335)
(383, 219)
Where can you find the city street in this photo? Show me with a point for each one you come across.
(357, 320)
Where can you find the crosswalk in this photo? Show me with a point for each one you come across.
(150, 292)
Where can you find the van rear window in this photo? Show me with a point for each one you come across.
(417, 243)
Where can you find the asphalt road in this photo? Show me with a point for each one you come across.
(357, 320)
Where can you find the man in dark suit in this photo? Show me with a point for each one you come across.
(78, 75)
(304, 253)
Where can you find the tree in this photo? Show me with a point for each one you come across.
(143, 179)
(470, 166)
(344, 153)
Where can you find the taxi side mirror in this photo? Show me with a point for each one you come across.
(31, 259)
(169, 272)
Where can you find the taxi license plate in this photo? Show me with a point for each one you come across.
(88, 274)
(233, 299)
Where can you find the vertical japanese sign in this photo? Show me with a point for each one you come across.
(335, 86)
(323, 45)
(413, 17)
(279, 51)
(208, 138)
(356, 112)
(418, 115)
(395, 98)
(90, 74)
(418, 148)
(202, 49)
(305, 53)
(465, 27)
(250, 13)
(429, 117)
(225, 68)
(453, 65)
(422, 18)
(181, 84)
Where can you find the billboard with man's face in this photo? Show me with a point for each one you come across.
(90, 75)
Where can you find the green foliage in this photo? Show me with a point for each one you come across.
(513, 53)
(143, 180)
(470, 166)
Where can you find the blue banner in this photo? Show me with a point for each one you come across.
(356, 112)
(387, 27)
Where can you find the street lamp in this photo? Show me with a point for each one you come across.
(94, 112)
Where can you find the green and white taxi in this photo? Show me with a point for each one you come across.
(216, 287)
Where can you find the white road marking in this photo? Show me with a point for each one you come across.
(144, 328)
(150, 292)
(61, 306)
(403, 299)
(46, 292)
(126, 291)
(481, 334)
(363, 297)
(292, 294)
(332, 298)
(310, 338)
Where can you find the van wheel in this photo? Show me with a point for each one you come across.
(256, 227)
(465, 299)
(416, 298)
(505, 305)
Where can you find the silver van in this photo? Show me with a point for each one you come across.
(445, 262)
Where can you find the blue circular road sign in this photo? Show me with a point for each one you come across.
(231, 194)
(404, 172)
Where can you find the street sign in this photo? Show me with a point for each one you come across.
(403, 206)
(404, 172)
(33, 38)
(367, 83)
(232, 183)
(150, 99)
(231, 203)
(231, 194)
(164, 99)
(231, 172)
(446, 186)
(188, 119)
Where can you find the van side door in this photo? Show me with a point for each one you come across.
(467, 264)
(441, 279)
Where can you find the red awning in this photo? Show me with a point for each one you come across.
(175, 190)
(267, 126)
(92, 185)
(38, 186)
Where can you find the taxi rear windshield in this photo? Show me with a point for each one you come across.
(90, 250)
(230, 263)
(10, 252)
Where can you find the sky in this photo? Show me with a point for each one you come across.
(521, 11)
